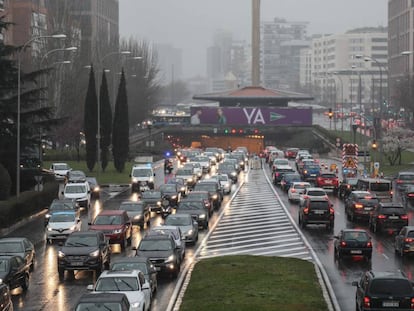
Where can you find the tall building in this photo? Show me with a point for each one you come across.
(348, 68)
(281, 43)
(170, 60)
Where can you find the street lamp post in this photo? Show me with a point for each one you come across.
(408, 54)
(342, 100)
(57, 36)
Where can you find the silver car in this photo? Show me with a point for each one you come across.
(188, 226)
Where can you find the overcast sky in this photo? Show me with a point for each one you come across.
(190, 24)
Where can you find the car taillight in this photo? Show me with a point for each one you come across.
(367, 302)
(359, 205)
(306, 210)
(293, 191)
(369, 244)
(411, 195)
(343, 243)
(412, 303)
(381, 216)
(405, 217)
(398, 181)
(408, 240)
(331, 210)
(348, 186)
(305, 172)
(277, 174)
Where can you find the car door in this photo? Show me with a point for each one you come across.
(17, 271)
(127, 225)
(104, 246)
(145, 289)
(28, 250)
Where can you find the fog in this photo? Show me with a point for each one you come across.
(190, 24)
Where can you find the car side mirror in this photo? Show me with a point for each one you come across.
(89, 224)
(62, 193)
(60, 243)
(78, 220)
(154, 174)
(89, 287)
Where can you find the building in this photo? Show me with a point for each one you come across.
(281, 43)
(170, 60)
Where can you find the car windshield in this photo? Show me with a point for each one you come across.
(281, 162)
(203, 159)
(301, 186)
(183, 172)
(11, 247)
(131, 207)
(151, 195)
(356, 235)
(172, 220)
(141, 266)
(142, 172)
(75, 189)
(62, 218)
(291, 177)
(60, 206)
(311, 167)
(99, 306)
(316, 193)
(204, 187)
(155, 245)
(369, 200)
(108, 220)
(406, 177)
(168, 188)
(378, 186)
(81, 240)
(121, 284)
(391, 287)
(199, 195)
(223, 178)
(4, 265)
(60, 167)
(193, 205)
(328, 175)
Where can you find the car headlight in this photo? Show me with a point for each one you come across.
(233, 173)
(174, 197)
(72, 228)
(189, 180)
(96, 189)
(199, 174)
(215, 196)
(47, 216)
(49, 229)
(241, 163)
(159, 203)
(135, 305)
(61, 254)
(182, 189)
(151, 179)
(116, 231)
(190, 232)
(138, 217)
(94, 253)
(226, 185)
(170, 258)
(202, 216)
(134, 180)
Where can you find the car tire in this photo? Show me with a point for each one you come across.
(25, 284)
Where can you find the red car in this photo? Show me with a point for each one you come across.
(116, 226)
(291, 153)
(328, 181)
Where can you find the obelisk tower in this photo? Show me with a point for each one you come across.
(255, 42)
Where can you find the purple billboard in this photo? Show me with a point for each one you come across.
(260, 116)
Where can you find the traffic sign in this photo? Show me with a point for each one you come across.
(350, 162)
(376, 165)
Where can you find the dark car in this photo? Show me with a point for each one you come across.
(360, 204)
(404, 241)
(19, 246)
(280, 171)
(288, 179)
(229, 169)
(407, 196)
(352, 242)
(388, 216)
(181, 183)
(94, 186)
(404, 179)
(103, 301)
(116, 226)
(6, 303)
(62, 205)
(213, 188)
(76, 176)
(138, 212)
(162, 251)
(172, 192)
(14, 272)
(84, 250)
(152, 199)
(204, 195)
(347, 186)
(316, 211)
(377, 290)
(196, 209)
(138, 263)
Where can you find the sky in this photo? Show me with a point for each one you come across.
(191, 24)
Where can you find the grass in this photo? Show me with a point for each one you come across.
(253, 283)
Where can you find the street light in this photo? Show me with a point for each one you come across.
(57, 36)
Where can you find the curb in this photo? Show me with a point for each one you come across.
(8, 230)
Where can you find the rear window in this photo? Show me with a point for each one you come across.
(319, 205)
(369, 201)
(391, 287)
(328, 175)
(379, 186)
(316, 193)
(406, 177)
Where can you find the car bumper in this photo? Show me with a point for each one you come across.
(79, 263)
(356, 252)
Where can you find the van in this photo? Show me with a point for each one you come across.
(142, 177)
(80, 192)
(382, 188)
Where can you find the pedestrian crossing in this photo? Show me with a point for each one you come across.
(255, 223)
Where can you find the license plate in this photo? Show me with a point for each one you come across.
(328, 181)
(319, 212)
(356, 252)
(367, 208)
(390, 304)
(77, 263)
(393, 217)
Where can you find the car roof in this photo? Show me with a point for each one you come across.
(14, 239)
(353, 230)
(388, 274)
(111, 212)
(315, 189)
(86, 233)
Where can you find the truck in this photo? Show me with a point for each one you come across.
(349, 160)
(142, 174)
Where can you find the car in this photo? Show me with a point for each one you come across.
(138, 212)
(404, 241)
(347, 185)
(205, 163)
(404, 179)
(181, 183)
(80, 192)
(14, 271)
(130, 282)
(280, 171)
(84, 250)
(61, 224)
(288, 179)
(138, 263)
(75, 176)
(6, 303)
(296, 189)
(277, 162)
(142, 177)
(19, 246)
(94, 186)
(175, 233)
(213, 188)
(172, 192)
(310, 171)
(188, 175)
(229, 169)
(61, 205)
(60, 170)
(388, 216)
(313, 192)
(291, 153)
(328, 181)
(360, 204)
(197, 210)
(408, 196)
(316, 211)
(351, 243)
(382, 188)
(187, 225)
(196, 167)
(204, 195)
(224, 181)
(115, 224)
(234, 162)
(103, 301)
(383, 290)
(152, 199)
(162, 251)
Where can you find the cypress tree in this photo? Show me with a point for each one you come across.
(106, 122)
(91, 122)
(120, 130)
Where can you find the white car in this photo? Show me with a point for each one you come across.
(224, 181)
(60, 170)
(196, 167)
(313, 192)
(80, 192)
(61, 224)
(296, 189)
(279, 162)
(132, 283)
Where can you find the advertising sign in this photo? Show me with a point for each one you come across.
(260, 116)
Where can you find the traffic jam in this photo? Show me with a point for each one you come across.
(138, 240)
